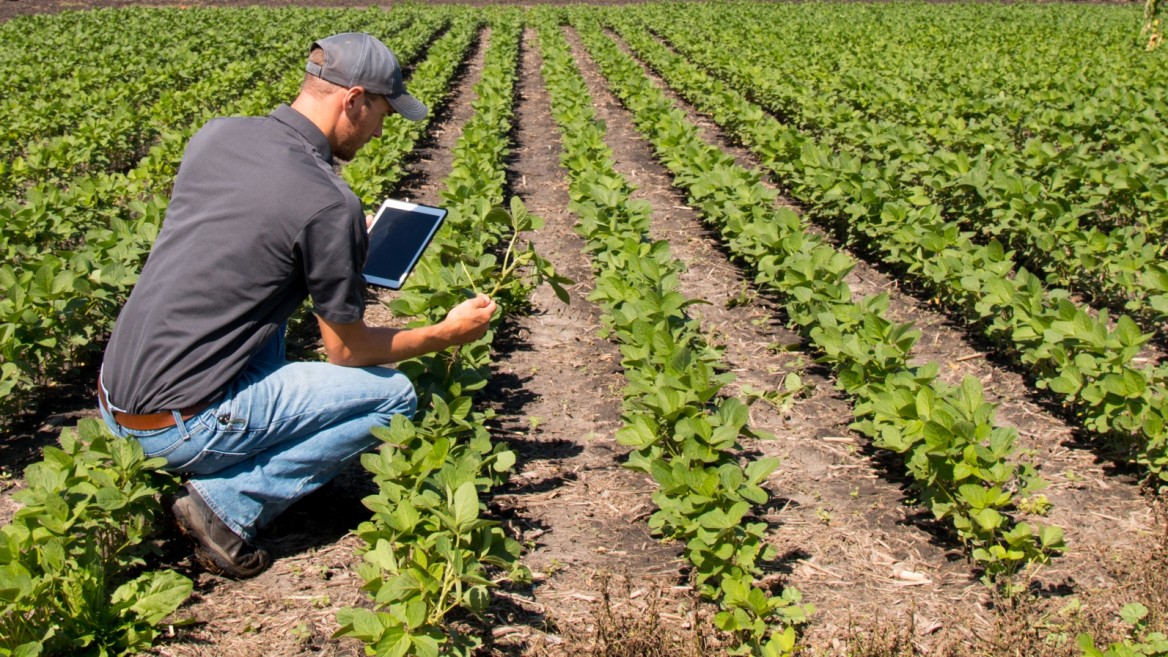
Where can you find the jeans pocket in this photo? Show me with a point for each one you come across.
(159, 443)
(178, 444)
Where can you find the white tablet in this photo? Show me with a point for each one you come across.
(399, 234)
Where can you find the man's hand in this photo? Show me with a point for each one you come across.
(358, 345)
(469, 320)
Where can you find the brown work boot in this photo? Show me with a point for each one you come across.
(220, 550)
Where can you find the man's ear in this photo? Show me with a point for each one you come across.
(354, 98)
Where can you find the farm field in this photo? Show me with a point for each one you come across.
(865, 337)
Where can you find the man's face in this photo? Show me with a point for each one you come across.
(364, 122)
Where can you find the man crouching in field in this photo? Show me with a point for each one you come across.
(258, 221)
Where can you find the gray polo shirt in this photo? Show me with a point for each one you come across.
(257, 222)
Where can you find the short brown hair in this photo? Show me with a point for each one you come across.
(313, 85)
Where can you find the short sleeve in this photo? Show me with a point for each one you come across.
(332, 247)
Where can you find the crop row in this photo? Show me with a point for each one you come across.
(960, 462)
(1090, 366)
(428, 551)
(1072, 179)
(683, 433)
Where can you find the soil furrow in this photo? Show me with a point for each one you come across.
(840, 525)
(1059, 448)
(557, 392)
(1080, 483)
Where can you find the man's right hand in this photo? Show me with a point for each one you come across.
(469, 320)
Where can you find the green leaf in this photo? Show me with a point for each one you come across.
(32, 649)
(1087, 645)
(414, 613)
(717, 519)
(504, 461)
(760, 469)
(365, 625)
(989, 519)
(153, 596)
(425, 646)
(1133, 613)
(466, 505)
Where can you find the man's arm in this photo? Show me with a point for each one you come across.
(359, 345)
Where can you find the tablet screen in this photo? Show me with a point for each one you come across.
(400, 233)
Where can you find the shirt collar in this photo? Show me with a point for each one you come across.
(307, 129)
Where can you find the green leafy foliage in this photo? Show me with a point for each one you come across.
(683, 433)
(958, 459)
(892, 172)
(71, 560)
(428, 551)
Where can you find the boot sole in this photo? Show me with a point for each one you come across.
(209, 558)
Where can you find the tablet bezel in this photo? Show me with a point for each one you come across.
(418, 208)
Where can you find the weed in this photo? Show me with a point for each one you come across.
(302, 632)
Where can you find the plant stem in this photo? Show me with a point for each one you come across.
(469, 278)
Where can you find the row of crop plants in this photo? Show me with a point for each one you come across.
(684, 434)
(1053, 150)
(962, 463)
(1091, 367)
(73, 249)
(428, 550)
(89, 506)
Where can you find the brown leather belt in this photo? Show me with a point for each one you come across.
(150, 421)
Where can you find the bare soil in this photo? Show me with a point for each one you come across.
(884, 578)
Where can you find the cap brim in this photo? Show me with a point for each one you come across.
(408, 106)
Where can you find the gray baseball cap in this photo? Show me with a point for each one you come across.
(356, 59)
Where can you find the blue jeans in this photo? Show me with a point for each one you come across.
(280, 431)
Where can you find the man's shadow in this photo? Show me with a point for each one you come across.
(322, 517)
